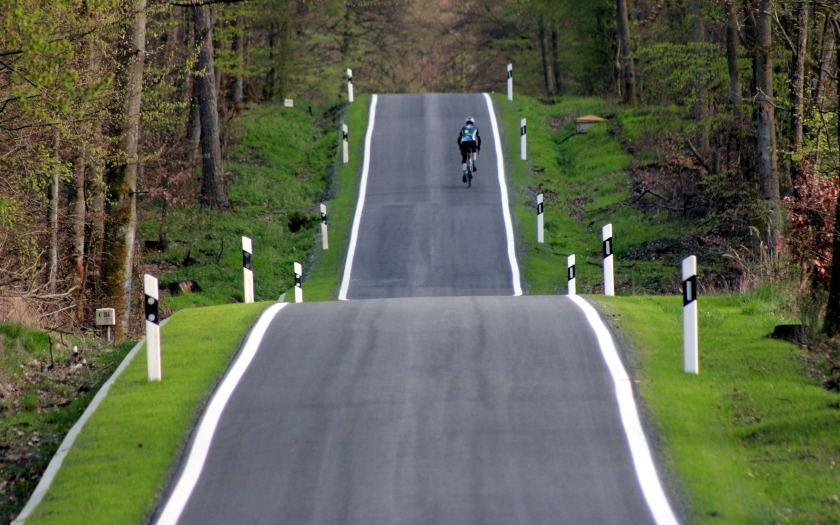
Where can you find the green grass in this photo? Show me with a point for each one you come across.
(752, 438)
(584, 184)
(119, 464)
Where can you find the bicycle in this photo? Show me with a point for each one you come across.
(468, 177)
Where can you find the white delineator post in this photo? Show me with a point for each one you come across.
(247, 270)
(540, 221)
(325, 239)
(510, 81)
(609, 279)
(349, 85)
(150, 286)
(345, 144)
(298, 283)
(690, 336)
(523, 145)
(570, 264)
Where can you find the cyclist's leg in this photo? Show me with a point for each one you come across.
(464, 153)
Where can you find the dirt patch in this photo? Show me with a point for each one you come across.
(38, 405)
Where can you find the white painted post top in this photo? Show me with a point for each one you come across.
(349, 73)
(570, 260)
(689, 267)
(539, 198)
(522, 123)
(510, 67)
(298, 269)
(150, 286)
(246, 245)
(324, 209)
(344, 128)
(606, 232)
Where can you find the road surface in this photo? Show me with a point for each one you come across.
(439, 398)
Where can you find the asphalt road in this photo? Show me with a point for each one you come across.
(441, 398)
(423, 232)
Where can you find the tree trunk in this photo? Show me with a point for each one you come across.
(121, 221)
(545, 62)
(52, 263)
(826, 51)
(766, 126)
(732, 60)
(832, 317)
(78, 218)
(555, 62)
(701, 111)
(628, 74)
(798, 78)
(213, 189)
(239, 47)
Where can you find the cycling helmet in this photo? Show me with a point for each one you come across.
(470, 120)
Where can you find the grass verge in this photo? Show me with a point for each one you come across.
(328, 265)
(584, 183)
(119, 463)
(752, 438)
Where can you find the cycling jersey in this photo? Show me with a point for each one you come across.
(468, 134)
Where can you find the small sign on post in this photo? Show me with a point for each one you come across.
(289, 103)
(570, 264)
(345, 144)
(106, 317)
(690, 335)
(298, 283)
(349, 84)
(325, 239)
(523, 146)
(609, 277)
(510, 81)
(247, 270)
(153, 365)
(540, 223)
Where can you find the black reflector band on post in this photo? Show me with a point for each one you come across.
(539, 208)
(571, 272)
(246, 260)
(323, 218)
(152, 310)
(690, 290)
(522, 130)
(298, 280)
(607, 247)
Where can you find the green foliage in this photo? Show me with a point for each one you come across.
(278, 147)
(678, 73)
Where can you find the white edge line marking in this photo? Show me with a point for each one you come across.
(642, 459)
(204, 436)
(500, 169)
(58, 458)
(357, 219)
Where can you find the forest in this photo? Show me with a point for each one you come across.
(107, 105)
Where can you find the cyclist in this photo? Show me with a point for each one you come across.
(470, 143)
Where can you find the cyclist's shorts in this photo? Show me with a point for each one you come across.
(467, 147)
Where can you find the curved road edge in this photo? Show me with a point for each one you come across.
(646, 473)
(200, 446)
